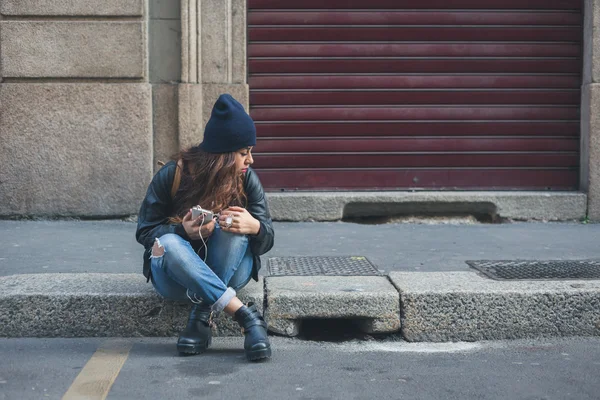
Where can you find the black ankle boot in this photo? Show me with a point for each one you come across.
(196, 336)
(256, 344)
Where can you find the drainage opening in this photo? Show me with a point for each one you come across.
(429, 212)
(333, 329)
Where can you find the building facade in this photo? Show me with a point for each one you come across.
(356, 102)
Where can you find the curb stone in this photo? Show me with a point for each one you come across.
(371, 300)
(464, 306)
(105, 305)
(430, 306)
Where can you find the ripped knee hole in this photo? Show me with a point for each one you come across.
(158, 250)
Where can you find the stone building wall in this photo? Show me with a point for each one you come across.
(590, 109)
(75, 107)
(94, 93)
(197, 51)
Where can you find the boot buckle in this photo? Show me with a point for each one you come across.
(211, 322)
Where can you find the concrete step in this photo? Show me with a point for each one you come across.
(520, 205)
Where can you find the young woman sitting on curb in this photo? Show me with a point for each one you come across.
(206, 262)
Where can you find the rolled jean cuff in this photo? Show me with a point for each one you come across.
(222, 302)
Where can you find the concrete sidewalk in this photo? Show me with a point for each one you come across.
(91, 283)
(32, 247)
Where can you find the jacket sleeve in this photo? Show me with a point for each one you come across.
(153, 218)
(258, 208)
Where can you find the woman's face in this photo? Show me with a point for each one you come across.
(243, 159)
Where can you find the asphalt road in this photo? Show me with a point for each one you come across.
(110, 246)
(540, 369)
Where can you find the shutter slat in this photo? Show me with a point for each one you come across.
(419, 145)
(435, 178)
(481, 129)
(417, 4)
(418, 160)
(409, 17)
(369, 81)
(486, 97)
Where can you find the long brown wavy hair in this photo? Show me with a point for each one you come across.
(209, 180)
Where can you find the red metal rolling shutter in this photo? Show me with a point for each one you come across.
(432, 94)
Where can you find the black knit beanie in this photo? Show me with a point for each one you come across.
(229, 128)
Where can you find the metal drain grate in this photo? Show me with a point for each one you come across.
(306, 266)
(538, 270)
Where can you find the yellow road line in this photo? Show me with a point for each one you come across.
(98, 375)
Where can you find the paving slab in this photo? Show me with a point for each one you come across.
(370, 300)
(464, 306)
(109, 246)
(88, 305)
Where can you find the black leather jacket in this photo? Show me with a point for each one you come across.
(157, 207)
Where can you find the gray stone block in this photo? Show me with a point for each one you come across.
(514, 205)
(74, 149)
(74, 49)
(238, 41)
(590, 148)
(165, 9)
(463, 306)
(368, 298)
(215, 58)
(164, 51)
(72, 7)
(594, 37)
(166, 141)
(106, 305)
(591, 42)
(191, 124)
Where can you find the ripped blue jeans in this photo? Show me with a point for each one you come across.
(180, 274)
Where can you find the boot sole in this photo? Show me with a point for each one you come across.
(258, 354)
(192, 349)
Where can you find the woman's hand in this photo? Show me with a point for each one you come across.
(241, 221)
(193, 228)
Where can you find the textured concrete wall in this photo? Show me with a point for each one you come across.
(50, 49)
(104, 83)
(72, 146)
(164, 41)
(165, 123)
(590, 109)
(590, 146)
(189, 103)
(164, 48)
(72, 7)
(591, 27)
(223, 41)
(197, 51)
(213, 61)
(74, 149)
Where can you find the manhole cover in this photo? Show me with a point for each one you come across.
(306, 266)
(538, 270)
